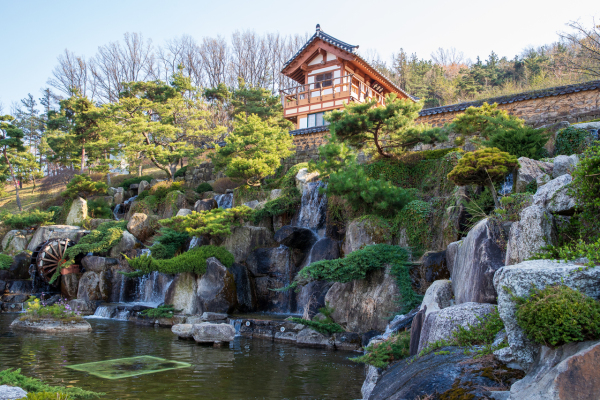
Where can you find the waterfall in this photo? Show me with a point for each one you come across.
(195, 242)
(237, 324)
(507, 185)
(152, 288)
(313, 208)
(116, 212)
(105, 312)
(123, 315)
(125, 206)
(224, 200)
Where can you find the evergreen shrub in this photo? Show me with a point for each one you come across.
(181, 172)
(357, 264)
(571, 140)
(216, 222)
(13, 377)
(168, 243)
(190, 261)
(27, 219)
(99, 208)
(558, 315)
(287, 203)
(203, 187)
(84, 186)
(5, 261)
(162, 311)
(135, 180)
(326, 328)
(380, 355)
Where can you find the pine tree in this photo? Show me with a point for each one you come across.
(389, 129)
(254, 149)
(11, 141)
(483, 167)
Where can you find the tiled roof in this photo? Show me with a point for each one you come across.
(344, 46)
(536, 94)
(326, 38)
(304, 131)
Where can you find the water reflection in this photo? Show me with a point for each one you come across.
(249, 369)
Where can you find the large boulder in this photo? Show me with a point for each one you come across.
(295, 237)
(98, 264)
(69, 285)
(437, 297)
(477, 259)
(529, 170)
(453, 221)
(48, 232)
(141, 226)
(19, 268)
(365, 304)
(183, 331)
(173, 203)
(205, 205)
(184, 212)
(94, 286)
(182, 293)
(216, 288)
(433, 266)
(311, 338)
(213, 333)
(303, 177)
(534, 230)
(564, 165)
(449, 374)
(442, 324)
(78, 212)
(11, 393)
(567, 372)
(119, 196)
(555, 197)
(360, 233)
(127, 243)
(15, 241)
(95, 222)
(143, 185)
(517, 280)
(325, 249)
(244, 239)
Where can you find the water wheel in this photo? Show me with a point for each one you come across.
(48, 256)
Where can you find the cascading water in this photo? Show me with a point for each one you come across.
(313, 209)
(224, 200)
(152, 288)
(507, 185)
(237, 324)
(121, 209)
(104, 312)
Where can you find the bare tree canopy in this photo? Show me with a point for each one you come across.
(586, 42)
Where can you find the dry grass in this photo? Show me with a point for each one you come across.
(221, 185)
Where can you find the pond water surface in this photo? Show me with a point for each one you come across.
(247, 369)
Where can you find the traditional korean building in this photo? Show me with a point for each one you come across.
(329, 74)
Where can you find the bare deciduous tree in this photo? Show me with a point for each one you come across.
(586, 43)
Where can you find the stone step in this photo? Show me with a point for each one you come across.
(11, 307)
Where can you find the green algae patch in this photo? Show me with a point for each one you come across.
(127, 367)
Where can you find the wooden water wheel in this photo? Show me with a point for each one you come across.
(49, 255)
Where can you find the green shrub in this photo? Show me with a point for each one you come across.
(572, 251)
(181, 172)
(47, 396)
(57, 212)
(5, 261)
(27, 219)
(36, 310)
(168, 243)
(136, 180)
(571, 141)
(585, 188)
(13, 377)
(326, 328)
(83, 186)
(99, 208)
(357, 264)
(190, 261)
(414, 218)
(162, 311)
(287, 203)
(557, 315)
(216, 222)
(513, 205)
(289, 179)
(203, 187)
(380, 355)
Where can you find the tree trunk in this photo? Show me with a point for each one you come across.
(490, 186)
(12, 174)
(140, 169)
(82, 160)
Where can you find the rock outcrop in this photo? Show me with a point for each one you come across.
(15, 241)
(359, 233)
(517, 280)
(567, 372)
(441, 324)
(303, 177)
(564, 165)
(213, 333)
(476, 261)
(295, 237)
(141, 226)
(554, 196)
(530, 170)
(48, 232)
(205, 205)
(127, 243)
(216, 288)
(244, 239)
(78, 212)
(364, 305)
(534, 230)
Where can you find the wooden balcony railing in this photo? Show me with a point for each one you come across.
(341, 87)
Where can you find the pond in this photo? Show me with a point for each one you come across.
(247, 369)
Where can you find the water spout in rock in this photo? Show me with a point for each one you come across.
(224, 200)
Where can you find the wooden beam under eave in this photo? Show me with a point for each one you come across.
(309, 52)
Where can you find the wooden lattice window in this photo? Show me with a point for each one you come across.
(323, 80)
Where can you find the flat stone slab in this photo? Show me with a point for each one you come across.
(213, 333)
(51, 326)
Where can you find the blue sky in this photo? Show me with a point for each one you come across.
(33, 33)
